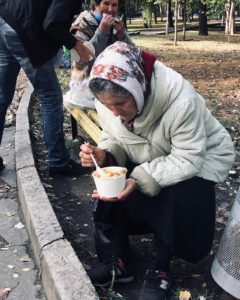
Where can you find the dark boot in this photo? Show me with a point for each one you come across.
(156, 286)
(71, 169)
(105, 273)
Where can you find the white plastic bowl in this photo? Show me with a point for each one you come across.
(110, 186)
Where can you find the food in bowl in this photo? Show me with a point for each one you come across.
(110, 172)
(112, 182)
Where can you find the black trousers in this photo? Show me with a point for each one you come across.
(182, 218)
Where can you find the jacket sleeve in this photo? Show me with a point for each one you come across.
(188, 148)
(127, 39)
(100, 40)
(58, 20)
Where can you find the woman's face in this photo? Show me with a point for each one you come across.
(121, 106)
(109, 7)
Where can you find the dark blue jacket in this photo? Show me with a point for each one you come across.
(42, 25)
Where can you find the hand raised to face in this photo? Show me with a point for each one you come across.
(106, 23)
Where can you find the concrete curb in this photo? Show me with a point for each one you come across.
(63, 275)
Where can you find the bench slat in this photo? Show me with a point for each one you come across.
(83, 119)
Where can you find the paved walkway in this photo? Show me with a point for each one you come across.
(162, 30)
(19, 273)
(62, 274)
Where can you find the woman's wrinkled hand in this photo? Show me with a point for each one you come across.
(106, 23)
(84, 52)
(120, 29)
(86, 160)
(130, 187)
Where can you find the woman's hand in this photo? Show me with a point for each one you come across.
(130, 187)
(106, 23)
(86, 160)
(84, 52)
(120, 28)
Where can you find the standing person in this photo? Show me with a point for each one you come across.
(156, 124)
(101, 27)
(31, 33)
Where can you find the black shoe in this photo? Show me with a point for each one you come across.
(156, 286)
(71, 169)
(103, 274)
(1, 164)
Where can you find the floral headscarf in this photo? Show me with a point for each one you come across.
(122, 64)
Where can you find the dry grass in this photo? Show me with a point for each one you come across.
(211, 64)
(217, 42)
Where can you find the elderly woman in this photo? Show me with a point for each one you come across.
(101, 27)
(156, 124)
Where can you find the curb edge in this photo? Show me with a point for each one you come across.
(62, 273)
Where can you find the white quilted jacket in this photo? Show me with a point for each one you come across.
(174, 138)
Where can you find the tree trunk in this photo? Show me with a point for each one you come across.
(167, 23)
(169, 15)
(184, 17)
(230, 17)
(222, 20)
(202, 10)
(179, 11)
(155, 12)
(176, 22)
(161, 12)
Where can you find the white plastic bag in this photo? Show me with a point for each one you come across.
(79, 95)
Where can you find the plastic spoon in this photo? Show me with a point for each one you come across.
(99, 170)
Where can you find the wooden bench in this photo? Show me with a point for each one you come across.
(88, 120)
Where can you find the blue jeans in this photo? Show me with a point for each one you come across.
(13, 57)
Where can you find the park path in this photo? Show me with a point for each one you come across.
(20, 277)
(162, 30)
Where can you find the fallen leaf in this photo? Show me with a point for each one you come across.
(82, 235)
(25, 259)
(222, 188)
(184, 295)
(4, 293)
(19, 225)
(86, 266)
(145, 240)
(4, 187)
(26, 269)
(47, 185)
(220, 220)
(10, 213)
(11, 267)
(195, 275)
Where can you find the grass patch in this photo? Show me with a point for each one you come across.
(212, 47)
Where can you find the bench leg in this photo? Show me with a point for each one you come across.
(74, 128)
